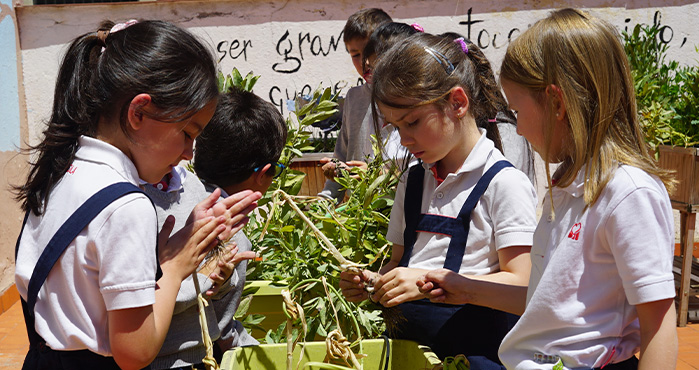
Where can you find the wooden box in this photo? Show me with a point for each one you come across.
(685, 163)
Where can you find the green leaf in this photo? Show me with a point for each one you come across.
(237, 78)
(243, 306)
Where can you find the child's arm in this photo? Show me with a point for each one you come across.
(658, 334)
(445, 286)
(136, 334)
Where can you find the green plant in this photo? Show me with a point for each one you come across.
(235, 79)
(667, 94)
(292, 251)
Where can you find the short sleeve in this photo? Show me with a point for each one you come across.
(396, 224)
(512, 208)
(126, 249)
(640, 234)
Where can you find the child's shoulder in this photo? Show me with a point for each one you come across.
(629, 178)
(359, 92)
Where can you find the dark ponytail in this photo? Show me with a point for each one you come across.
(98, 77)
(486, 92)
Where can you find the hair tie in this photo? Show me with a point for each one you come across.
(417, 27)
(462, 43)
(102, 34)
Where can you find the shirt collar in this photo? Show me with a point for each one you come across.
(577, 187)
(97, 151)
(178, 175)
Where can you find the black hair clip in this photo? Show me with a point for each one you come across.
(444, 61)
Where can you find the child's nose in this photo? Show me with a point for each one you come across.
(188, 153)
(405, 139)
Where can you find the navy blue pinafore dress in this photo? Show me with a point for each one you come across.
(41, 356)
(448, 330)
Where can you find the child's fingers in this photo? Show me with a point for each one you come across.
(206, 235)
(241, 199)
(237, 216)
(425, 286)
(231, 251)
(239, 225)
(210, 200)
(166, 230)
(355, 295)
(242, 256)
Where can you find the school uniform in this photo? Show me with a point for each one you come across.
(590, 267)
(487, 205)
(183, 346)
(110, 265)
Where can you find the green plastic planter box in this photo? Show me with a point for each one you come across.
(401, 355)
(266, 300)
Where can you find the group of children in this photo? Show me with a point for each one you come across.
(588, 286)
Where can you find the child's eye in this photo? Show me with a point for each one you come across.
(410, 124)
(354, 56)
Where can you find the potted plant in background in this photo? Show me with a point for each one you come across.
(667, 96)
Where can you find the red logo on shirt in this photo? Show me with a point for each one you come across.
(575, 231)
(72, 169)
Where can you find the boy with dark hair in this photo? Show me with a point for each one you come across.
(353, 145)
(357, 31)
(238, 150)
(240, 147)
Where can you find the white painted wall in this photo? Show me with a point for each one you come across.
(296, 45)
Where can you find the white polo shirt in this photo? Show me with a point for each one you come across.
(589, 268)
(505, 216)
(110, 265)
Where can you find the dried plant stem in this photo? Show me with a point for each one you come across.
(209, 359)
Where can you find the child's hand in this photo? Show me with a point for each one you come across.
(353, 285)
(182, 253)
(444, 286)
(234, 208)
(397, 286)
(220, 269)
(331, 166)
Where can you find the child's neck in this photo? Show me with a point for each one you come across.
(453, 161)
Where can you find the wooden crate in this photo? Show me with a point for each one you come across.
(309, 164)
(685, 163)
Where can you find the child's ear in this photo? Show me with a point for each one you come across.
(558, 105)
(458, 101)
(261, 174)
(135, 114)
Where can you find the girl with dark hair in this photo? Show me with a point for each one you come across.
(463, 208)
(515, 147)
(129, 100)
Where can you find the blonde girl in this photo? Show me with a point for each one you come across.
(463, 207)
(601, 286)
(129, 100)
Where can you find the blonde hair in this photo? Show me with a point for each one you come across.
(583, 56)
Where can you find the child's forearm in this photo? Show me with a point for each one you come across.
(658, 335)
(137, 334)
(489, 290)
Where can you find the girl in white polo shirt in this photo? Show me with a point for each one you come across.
(601, 286)
(463, 207)
(129, 100)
